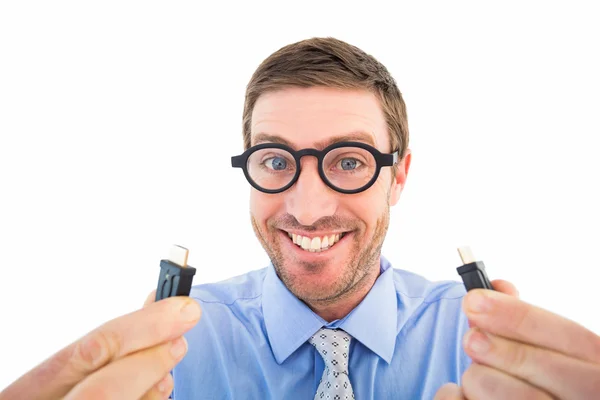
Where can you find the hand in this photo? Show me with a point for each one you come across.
(129, 357)
(520, 351)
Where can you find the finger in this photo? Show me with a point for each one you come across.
(151, 298)
(132, 376)
(450, 391)
(503, 286)
(162, 390)
(512, 318)
(157, 323)
(562, 376)
(483, 382)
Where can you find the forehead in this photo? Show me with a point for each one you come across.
(316, 116)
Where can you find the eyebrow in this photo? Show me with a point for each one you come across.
(355, 136)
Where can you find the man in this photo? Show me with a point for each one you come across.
(326, 152)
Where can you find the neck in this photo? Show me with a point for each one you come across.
(340, 306)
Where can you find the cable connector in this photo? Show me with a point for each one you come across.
(176, 276)
(472, 272)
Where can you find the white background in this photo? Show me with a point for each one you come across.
(118, 120)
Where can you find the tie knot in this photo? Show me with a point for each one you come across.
(334, 346)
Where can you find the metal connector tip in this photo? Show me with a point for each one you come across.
(466, 255)
(178, 255)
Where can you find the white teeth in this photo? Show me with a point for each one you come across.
(315, 244)
(305, 243)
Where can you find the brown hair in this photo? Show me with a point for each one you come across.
(332, 63)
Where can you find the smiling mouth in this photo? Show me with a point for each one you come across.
(316, 244)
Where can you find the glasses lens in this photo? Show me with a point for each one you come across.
(271, 168)
(349, 168)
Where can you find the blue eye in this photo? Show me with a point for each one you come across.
(276, 163)
(349, 164)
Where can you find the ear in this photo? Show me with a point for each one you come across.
(400, 178)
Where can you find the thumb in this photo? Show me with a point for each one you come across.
(500, 285)
(450, 391)
(150, 298)
(506, 287)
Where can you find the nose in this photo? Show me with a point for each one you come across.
(310, 198)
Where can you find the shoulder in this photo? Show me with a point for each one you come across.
(431, 312)
(247, 286)
(413, 286)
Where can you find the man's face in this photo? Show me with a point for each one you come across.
(312, 118)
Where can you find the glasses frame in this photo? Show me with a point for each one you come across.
(381, 159)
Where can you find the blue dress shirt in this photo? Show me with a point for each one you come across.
(251, 342)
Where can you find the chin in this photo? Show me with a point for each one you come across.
(318, 280)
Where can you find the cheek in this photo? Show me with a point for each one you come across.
(385, 189)
(262, 206)
(369, 206)
(378, 194)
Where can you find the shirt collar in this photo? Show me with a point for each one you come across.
(290, 323)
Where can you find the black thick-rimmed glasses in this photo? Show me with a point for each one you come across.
(347, 167)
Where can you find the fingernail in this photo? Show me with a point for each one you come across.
(178, 348)
(477, 302)
(93, 352)
(477, 341)
(190, 312)
(162, 385)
